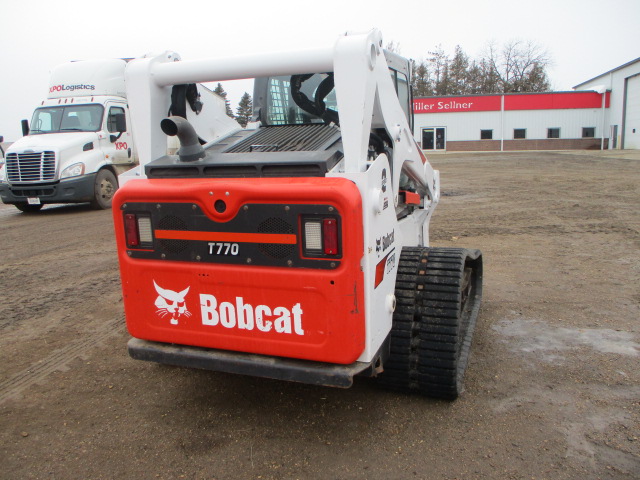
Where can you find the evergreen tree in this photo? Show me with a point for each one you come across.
(537, 79)
(220, 91)
(420, 79)
(244, 110)
(458, 73)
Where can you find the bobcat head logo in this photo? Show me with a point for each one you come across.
(171, 303)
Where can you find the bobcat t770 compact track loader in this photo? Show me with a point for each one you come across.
(297, 249)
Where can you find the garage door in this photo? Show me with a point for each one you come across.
(632, 120)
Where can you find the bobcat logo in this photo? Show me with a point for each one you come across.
(171, 303)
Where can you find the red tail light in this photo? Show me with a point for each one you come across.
(138, 231)
(321, 236)
(330, 236)
(131, 230)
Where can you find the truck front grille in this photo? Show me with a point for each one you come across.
(31, 167)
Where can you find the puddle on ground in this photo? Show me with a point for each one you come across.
(547, 340)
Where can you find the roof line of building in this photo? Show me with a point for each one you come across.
(506, 94)
(610, 71)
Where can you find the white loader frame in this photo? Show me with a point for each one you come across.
(366, 99)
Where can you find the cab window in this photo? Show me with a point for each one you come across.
(111, 119)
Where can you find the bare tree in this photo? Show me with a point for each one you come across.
(393, 47)
(519, 65)
(516, 66)
(439, 61)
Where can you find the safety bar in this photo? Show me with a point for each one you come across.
(241, 67)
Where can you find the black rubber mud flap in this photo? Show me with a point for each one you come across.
(438, 294)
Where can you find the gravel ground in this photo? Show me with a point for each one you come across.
(553, 384)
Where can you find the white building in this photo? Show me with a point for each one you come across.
(624, 113)
(601, 113)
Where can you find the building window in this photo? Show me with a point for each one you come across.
(519, 133)
(486, 134)
(553, 133)
(433, 138)
(588, 132)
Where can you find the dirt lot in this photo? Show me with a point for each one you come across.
(553, 385)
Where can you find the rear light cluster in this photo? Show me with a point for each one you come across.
(138, 230)
(321, 237)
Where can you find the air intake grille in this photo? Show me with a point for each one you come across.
(31, 167)
(171, 222)
(276, 225)
(288, 138)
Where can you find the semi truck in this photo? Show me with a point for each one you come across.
(79, 139)
(298, 250)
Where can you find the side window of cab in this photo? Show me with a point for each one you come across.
(403, 91)
(111, 119)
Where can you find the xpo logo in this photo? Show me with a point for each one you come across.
(71, 88)
(121, 145)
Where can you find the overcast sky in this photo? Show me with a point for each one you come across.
(584, 37)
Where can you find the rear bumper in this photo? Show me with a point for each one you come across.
(71, 190)
(278, 368)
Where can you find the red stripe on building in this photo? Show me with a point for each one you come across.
(554, 101)
(522, 101)
(457, 104)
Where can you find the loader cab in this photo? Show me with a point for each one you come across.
(295, 100)
(400, 70)
(311, 98)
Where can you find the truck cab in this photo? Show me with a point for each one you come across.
(77, 143)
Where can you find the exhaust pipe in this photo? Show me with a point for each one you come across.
(190, 148)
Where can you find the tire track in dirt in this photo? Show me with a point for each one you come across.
(57, 360)
(65, 293)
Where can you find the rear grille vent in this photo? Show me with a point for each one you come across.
(31, 167)
(273, 250)
(171, 222)
(275, 225)
(288, 138)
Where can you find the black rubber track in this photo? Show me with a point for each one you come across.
(438, 294)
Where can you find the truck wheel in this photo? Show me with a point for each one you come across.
(105, 187)
(438, 293)
(26, 208)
